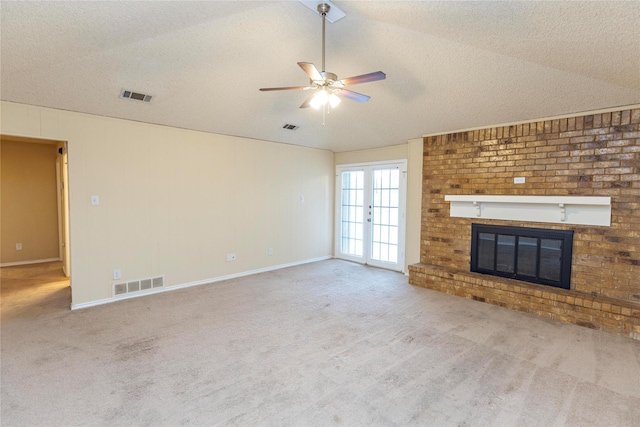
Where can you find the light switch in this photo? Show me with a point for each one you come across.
(95, 200)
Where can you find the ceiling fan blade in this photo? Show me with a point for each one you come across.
(265, 89)
(311, 70)
(354, 96)
(307, 102)
(364, 78)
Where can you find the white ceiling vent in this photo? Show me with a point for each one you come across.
(289, 126)
(136, 96)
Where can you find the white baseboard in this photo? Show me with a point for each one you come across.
(35, 261)
(197, 283)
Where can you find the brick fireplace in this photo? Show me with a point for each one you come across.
(584, 156)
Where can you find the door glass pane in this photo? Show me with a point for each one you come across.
(377, 198)
(393, 235)
(384, 233)
(384, 217)
(359, 197)
(385, 198)
(359, 214)
(395, 180)
(394, 196)
(352, 212)
(506, 253)
(375, 250)
(393, 251)
(550, 259)
(384, 251)
(527, 255)
(393, 216)
(385, 178)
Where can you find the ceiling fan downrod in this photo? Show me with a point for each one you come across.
(323, 9)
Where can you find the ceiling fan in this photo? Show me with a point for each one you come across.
(326, 86)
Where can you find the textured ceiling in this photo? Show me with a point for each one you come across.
(449, 65)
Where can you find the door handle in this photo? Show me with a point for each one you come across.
(368, 219)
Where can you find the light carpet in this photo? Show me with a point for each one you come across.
(322, 344)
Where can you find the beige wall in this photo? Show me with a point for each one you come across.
(174, 202)
(394, 152)
(29, 209)
(414, 201)
(412, 152)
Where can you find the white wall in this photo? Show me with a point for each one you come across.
(174, 202)
(412, 152)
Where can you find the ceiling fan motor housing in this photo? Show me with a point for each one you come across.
(327, 79)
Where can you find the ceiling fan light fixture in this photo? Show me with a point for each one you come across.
(334, 100)
(319, 99)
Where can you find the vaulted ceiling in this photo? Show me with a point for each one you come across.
(449, 65)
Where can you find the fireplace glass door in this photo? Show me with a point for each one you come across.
(534, 255)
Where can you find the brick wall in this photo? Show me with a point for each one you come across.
(592, 155)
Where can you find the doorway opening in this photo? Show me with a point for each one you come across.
(370, 213)
(34, 234)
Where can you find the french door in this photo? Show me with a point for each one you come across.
(370, 213)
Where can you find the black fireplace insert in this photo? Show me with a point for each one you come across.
(535, 255)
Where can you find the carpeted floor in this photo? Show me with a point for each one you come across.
(328, 343)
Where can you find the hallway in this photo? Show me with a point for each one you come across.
(30, 291)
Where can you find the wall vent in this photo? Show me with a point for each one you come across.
(289, 126)
(136, 96)
(145, 284)
(133, 286)
(138, 286)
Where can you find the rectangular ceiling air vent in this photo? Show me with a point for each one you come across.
(289, 126)
(136, 96)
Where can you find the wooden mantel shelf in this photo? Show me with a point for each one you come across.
(580, 210)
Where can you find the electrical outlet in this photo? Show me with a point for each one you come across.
(519, 180)
(270, 251)
(231, 257)
(117, 274)
(18, 246)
